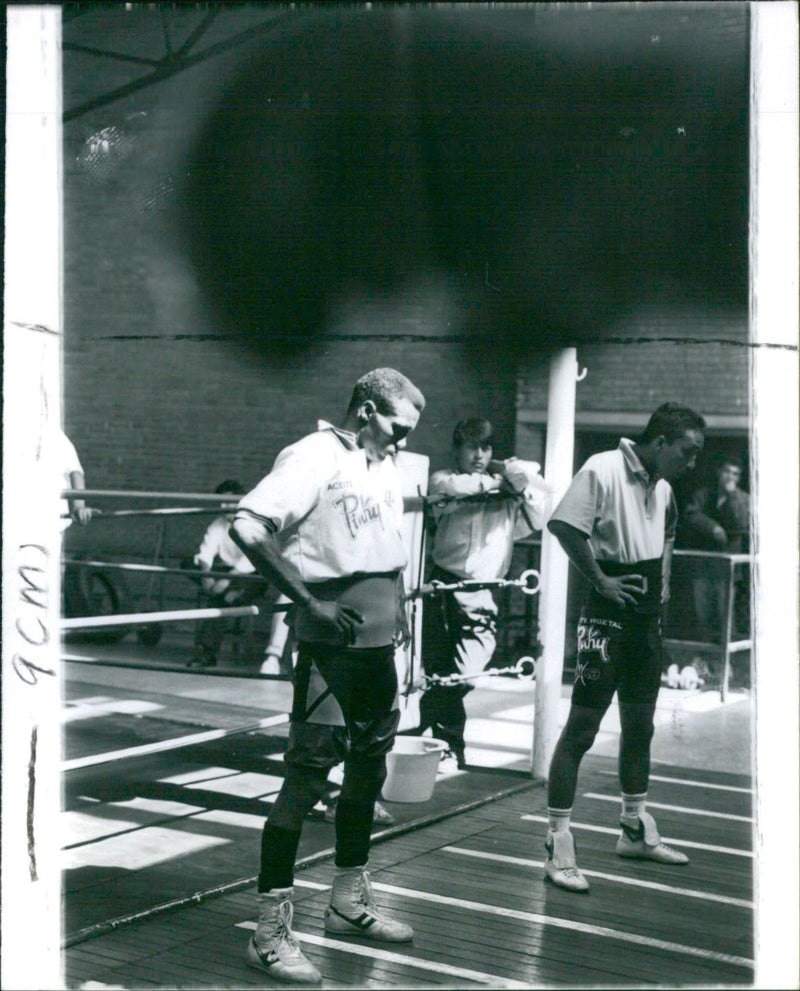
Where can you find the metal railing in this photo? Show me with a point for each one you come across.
(722, 581)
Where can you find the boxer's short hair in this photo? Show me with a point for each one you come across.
(385, 387)
(671, 421)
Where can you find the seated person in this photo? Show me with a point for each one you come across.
(485, 506)
(217, 552)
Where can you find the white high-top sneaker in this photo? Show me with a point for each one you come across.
(561, 866)
(644, 843)
(353, 912)
(273, 948)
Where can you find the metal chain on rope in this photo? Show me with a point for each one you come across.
(490, 495)
(414, 645)
(524, 669)
(528, 581)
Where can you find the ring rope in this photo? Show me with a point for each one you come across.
(164, 511)
(194, 573)
(528, 581)
(213, 498)
(490, 495)
(129, 619)
(524, 669)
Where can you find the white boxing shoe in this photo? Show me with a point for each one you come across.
(644, 843)
(561, 865)
(273, 948)
(353, 911)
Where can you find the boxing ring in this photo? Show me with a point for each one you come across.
(148, 624)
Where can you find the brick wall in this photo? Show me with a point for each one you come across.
(707, 368)
(183, 415)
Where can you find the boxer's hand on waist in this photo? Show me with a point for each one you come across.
(622, 590)
(402, 634)
(339, 619)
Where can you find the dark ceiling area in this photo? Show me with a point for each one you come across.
(555, 165)
(552, 168)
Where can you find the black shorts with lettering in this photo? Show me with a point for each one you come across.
(345, 704)
(618, 650)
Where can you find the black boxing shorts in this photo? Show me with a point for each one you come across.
(345, 703)
(620, 649)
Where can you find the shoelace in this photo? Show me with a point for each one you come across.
(367, 898)
(283, 926)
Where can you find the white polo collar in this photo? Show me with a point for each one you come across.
(632, 460)
(347, 438)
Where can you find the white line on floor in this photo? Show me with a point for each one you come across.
(314, 885)
(583, 927)
(687, 781)
(173, 744)
(672, 808)
(617, 878)
(615, 832)
(374, 953)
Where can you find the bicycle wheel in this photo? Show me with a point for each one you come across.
(102, 597)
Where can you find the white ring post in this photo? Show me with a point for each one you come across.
(773, 480)
(555, 564)
(31, 933)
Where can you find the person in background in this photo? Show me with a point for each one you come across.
(72, 477)
(616, 523)
(717, 518)
(274, 662)
(325, 527)
(217, 552)
(480, 507)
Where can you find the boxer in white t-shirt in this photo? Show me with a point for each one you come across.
(616, 523)
(325, 527)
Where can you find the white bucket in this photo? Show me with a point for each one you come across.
(411, 768)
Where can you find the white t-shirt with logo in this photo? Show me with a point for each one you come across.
(335, 513)
(613, 500)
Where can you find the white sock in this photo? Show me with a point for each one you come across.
(345, 886)
(558, 819)
(632, 808)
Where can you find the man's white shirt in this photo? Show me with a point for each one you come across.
(335, 513)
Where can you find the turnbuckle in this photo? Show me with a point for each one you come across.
(528, 581)
(524, 669)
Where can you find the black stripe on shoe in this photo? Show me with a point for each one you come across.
(633, 834)
(268, 958)
(364, 921)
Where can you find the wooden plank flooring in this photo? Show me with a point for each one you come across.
(472, 887)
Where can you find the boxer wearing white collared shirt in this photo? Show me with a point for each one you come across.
(324, 526)
(616, 523)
